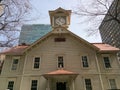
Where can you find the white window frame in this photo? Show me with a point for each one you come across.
(31, 84)
(85, 83)
(107, 55)
(58, 62)
(11, 79)
(110, 84)
(34, 61)
(60, 55)
(34, 78)
(87, 61)
(17, 65)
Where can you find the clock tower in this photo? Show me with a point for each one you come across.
(60, 18)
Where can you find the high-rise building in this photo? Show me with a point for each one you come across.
(110, 26)
(31, 33)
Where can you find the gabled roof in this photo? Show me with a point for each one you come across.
(100, 47)
(60, 10)
(105, 47)
(18, 50)
(64, 31)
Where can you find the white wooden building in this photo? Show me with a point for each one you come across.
(61, 60)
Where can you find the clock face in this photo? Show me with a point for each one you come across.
(60, 21)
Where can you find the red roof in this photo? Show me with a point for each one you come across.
(17, 50)
(105, 47)
(61, 72)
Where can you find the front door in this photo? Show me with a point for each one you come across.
(61, 85)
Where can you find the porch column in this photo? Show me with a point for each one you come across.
(48, 86)
(73, 84)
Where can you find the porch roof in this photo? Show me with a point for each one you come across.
(61, 72)
(61, 75)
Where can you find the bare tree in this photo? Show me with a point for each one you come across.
(12, 15)
(95, 11)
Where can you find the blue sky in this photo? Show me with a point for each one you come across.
(41, 16)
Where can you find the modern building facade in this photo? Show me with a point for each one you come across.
(61, 60)
(31, 33)
(110, 27)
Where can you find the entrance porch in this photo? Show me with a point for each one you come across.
(60, 80)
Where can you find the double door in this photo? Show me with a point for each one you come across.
(60, 85)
